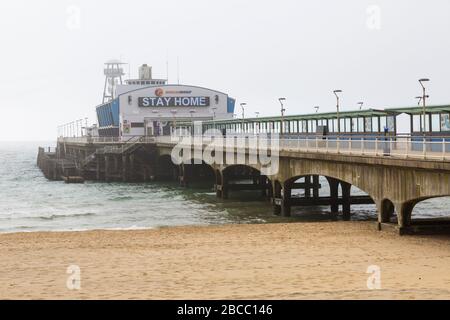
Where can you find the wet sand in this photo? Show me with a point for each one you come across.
(275, 261)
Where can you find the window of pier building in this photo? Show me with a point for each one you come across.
(286, 126)
(294, 126)
(445, 122)
(276, 128)
(418, 123)
(436, 122)
(354, 124)
(348, 125)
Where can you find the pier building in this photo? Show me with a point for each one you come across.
(151, 107)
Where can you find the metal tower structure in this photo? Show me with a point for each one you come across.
(113, 76)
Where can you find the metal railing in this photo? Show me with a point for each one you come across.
(397, 147)
(405, 147)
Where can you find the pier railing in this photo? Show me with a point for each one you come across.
(405, 147)
(379, 147)
(399, 147)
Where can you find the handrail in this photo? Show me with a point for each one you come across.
(407, 147)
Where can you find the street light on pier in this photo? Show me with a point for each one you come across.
(360, 105)
(80, 127)
(243, 105)
(214, 109)
(424, 98)
(283, 110)
(419, 98)
(73, 129)
(86, 126)
(317, 108)
(337, 108)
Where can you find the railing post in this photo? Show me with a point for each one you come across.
(327, 142)
(443, 149)
(424, 149)
(408, 145)
(362, 146)
(350, 145)
(376, 146)
(317, 144)
(337, 145)
(390, 147)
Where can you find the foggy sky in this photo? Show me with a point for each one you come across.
(256, 51)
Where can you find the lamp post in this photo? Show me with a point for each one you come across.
(283, 110)
(85, 126)
(317, 108)
(214, 109)
(243, 105)
(360, 105)
(337, 109)
(424, 97)
(419, 98)
(257, 123)
(81, 127)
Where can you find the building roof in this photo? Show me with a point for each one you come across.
(318, 116)
(419, 109)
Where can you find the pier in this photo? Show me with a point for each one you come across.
(142, 121)
(394, 181)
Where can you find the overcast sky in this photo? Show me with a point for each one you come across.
(256, 51)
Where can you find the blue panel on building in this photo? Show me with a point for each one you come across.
(108, 114)
(231, 105)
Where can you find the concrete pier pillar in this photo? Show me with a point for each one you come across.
(218, 184)
(385, 211)
(263, 184)
(316, 187)
(132, 167)
(334, 194)
(269, 191)
(175, 173)
(184, 175)
(125, 168)
(107, 169)
(218, 189)
(116, 164)
(286, 201)
(98, 168)
(307, 186)
(55, 171)
(145, 174)
(404, 213)
(277, 198)
(225, 189)
(277, 203)
(346, 189)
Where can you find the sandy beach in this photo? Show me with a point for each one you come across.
(276, 261)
